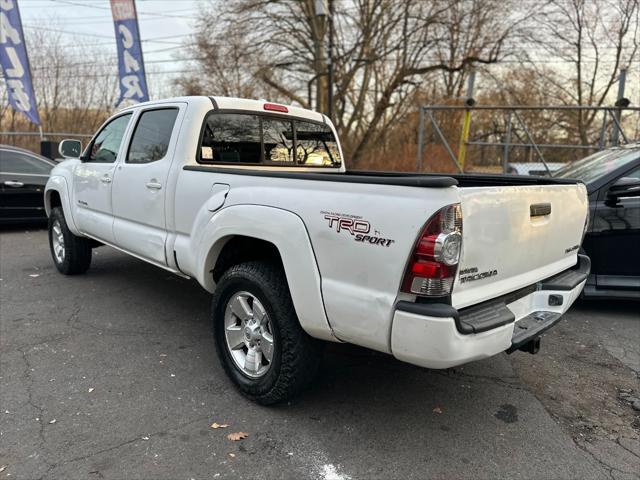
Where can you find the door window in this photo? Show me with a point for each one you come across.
(16, 162)
(104, 148)
(152, 135)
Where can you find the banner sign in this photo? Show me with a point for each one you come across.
(133, 85)
(15, 63)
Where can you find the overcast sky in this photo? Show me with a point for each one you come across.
(165, 25)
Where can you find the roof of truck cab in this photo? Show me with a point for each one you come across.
(232, 103)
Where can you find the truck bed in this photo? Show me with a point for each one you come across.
(405, 179)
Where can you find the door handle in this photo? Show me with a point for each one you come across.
(105, 179)
(154, 185)
(14, 184)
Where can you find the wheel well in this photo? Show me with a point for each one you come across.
(54, 199)
(240, 249)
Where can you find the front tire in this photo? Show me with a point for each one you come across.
(259, 340)
(71, 254)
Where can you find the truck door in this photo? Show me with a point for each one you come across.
(140, 183)
(92, 180)
(615, 255)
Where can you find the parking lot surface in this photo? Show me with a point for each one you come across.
(113, 375)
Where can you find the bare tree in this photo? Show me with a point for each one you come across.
(385, 51)
(591, 41)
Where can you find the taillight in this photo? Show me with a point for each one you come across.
(434, 260)
(274, 107)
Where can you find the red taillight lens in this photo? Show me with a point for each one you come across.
(434, 261)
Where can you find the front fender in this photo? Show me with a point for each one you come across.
(59, 184)
(283, 229)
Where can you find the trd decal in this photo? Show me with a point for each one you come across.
(571, 249)
(471, 274)
(351, 225)
(357, 227)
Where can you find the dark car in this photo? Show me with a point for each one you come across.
(612, 241)
(23, 175)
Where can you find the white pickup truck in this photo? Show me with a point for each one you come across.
(252, 199)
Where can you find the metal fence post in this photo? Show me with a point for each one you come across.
(420, 153)
(533, 143)
(615, 135)
(507, 141)
(603, 131)
(443, 139)
(466, 123)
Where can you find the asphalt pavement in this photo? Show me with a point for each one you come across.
(113, 375)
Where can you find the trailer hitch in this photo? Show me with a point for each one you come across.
(531, 347)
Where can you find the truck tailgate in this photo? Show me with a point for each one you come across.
(515, 236)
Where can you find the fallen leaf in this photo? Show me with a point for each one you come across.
(91, 389)
(437, 410)
(52, 421)
(234, 437)
(219, 425)
(232, 455)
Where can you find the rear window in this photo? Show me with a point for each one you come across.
(239, 138)
(598, 165)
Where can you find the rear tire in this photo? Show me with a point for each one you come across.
(268, 325)
(71, 254)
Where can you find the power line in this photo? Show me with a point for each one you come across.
(162, 39)
(86, 5)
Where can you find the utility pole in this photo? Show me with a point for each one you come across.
(322, 9)
(330, 67)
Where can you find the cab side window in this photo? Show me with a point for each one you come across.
(104, 148)
(152, 135)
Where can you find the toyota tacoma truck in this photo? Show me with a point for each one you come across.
(253, 200)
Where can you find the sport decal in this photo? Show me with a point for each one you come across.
(357, 227)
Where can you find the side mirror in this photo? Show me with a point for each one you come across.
(625, 187)
(70, 148)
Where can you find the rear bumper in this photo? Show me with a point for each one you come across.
(439, 336)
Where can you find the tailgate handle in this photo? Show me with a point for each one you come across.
(539, 209)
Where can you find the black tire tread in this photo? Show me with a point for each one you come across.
(77, 258)
(300, 353)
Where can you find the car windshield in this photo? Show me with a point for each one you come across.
(597, 165)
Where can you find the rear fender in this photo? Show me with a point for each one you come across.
(287, 232)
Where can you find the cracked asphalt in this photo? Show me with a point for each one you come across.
(113, 375)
